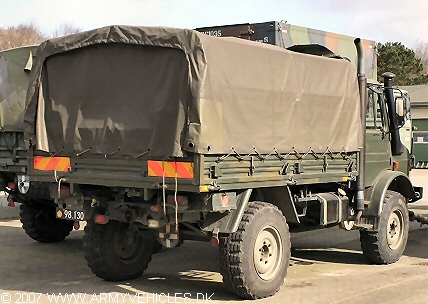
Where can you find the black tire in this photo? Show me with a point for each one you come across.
(157, 246)
(115, 251)
(387, 245)
(262, 238)
(42, 225)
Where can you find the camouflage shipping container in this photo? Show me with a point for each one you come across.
(286, 35)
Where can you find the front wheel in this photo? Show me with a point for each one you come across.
(387, 245)
(117, 251)
(254, 260)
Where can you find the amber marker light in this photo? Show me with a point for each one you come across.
(395, 165)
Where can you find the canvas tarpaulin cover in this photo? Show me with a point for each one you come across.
(15, 66)
(167, 91)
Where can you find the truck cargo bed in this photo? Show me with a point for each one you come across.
(202, 173)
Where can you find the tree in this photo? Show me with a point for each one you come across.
(402, 61)
(19, 35)
(29, 34)
(421, 51)
(66, 29)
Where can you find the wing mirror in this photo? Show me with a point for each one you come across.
(400, 111)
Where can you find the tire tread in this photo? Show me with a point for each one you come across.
(96, 257)
(39, 230)
(231, 250)
(370, 240)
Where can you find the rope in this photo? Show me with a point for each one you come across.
(219, 159)
(175, 192)
(175, 198)
(261, 157)
(163, 187)
(342, 154)
(280, 34)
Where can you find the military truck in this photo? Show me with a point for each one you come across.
(15, 66)
(154, 133)
(36, 214)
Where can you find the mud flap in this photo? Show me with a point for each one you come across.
(168, 236)
(227, 222)
(23, 183)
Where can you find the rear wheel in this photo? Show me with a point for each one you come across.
(157, 246)
(387, 245)
(254, 260)
(117, 251)
(42, 225)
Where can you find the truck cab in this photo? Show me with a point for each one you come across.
(379, 131)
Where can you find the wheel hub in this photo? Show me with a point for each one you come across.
(127, 244)
(267, 253)
(395, 229)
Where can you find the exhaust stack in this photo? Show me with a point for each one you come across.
(396, 145)
(362, 84)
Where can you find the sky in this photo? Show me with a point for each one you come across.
(404, 21)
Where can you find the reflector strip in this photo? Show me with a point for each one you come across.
(51, 163)
(159, 168)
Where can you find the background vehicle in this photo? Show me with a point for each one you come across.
(159, 133)
(37, 209)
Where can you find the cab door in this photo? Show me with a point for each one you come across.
(378, 148)
(406, 129)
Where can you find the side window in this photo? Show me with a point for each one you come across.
(375, 117)
(370, 121)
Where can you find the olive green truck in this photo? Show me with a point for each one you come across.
(35, 202)
(15, 66)
(158, 135)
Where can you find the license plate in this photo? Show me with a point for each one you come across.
(67, 214)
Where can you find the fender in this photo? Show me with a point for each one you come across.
(387, 180)
(229, 222)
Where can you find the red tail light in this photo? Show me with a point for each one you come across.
(100, 219)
